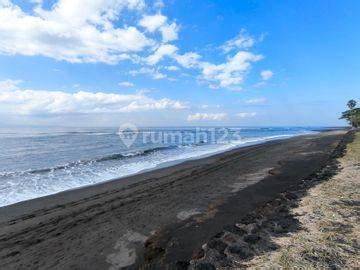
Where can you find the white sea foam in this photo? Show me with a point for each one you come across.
(18, 186)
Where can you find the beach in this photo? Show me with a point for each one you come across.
(158, 219)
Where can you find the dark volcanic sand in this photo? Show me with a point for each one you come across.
(181, 208)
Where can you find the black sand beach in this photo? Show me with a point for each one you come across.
(158, 219)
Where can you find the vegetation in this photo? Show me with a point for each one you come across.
(351, 104)
(352, 115)
(328, 215)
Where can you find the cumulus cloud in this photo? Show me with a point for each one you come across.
(153, 22)
(255, 101)
(266, 75)
(74, 32)
(152, 72)
(78, 33)
(188, 60)
(241, 41)
(206, 117)
(169, 32)
(160, 53)
(231, 73)
(159, 23)
(126, 84)
(246, 114)
(14, 100)
(8, 85)
(172, 68)
(207, 106)
(71, 31)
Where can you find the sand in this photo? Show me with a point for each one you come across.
(158, 219)
(328, 231)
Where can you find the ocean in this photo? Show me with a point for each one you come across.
(36, 162)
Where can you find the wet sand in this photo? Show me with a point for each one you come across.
(157, 219)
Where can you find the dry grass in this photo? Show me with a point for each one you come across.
(330, 227)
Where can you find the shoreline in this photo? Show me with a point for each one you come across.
(311, 219)
(172, 163)
(168, 164)
(101, 224)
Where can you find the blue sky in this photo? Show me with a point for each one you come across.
(178, 62)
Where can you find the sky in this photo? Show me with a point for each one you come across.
(178, 62)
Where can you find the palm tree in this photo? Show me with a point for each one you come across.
(351, 104)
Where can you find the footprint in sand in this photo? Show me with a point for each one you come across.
(249, 179)
(125, 253)
(187, 214)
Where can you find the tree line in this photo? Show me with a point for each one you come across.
(352, 115)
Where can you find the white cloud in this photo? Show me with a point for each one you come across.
(266, 74)
(172, 68)
(8, 85)
(158, 22)
(207, 106)
(255, 101)
(14, 100)
(206, 117)
(71, 31)
(154, 73)
(241, 41)
(225, 75)
(91, 33)
(246, 114)
(153, 22)
(169, 32)
(188, 60)
(160, 53)
(126, 84)
(231, 73)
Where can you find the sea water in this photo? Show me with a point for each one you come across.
(36, 162)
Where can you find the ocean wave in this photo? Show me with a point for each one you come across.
(78, 163)
(138, 153)
(23, 185)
